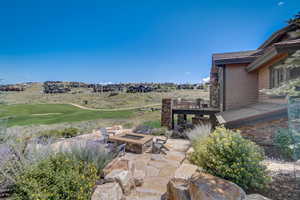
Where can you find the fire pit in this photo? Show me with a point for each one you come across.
(134, 137)
(136, 143)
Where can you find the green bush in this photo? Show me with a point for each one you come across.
(283, 140)
(65, 133)
(56, 178)
(287, 145)
(226, 154)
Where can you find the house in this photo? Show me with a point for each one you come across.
(237, 79)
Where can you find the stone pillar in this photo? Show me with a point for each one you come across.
(166, 113)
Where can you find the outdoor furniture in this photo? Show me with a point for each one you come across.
(136, 143)
(105, 135)
(159, 144)
(121, 150)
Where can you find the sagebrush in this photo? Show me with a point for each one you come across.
(57, 177)
(226, 154)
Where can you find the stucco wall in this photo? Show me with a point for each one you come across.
(241, 87)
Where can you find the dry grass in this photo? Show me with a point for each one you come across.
(34, 95)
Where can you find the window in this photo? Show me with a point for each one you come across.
(277, 76)
(280, 75)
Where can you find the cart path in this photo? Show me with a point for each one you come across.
(114, 109)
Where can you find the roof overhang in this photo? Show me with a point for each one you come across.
(234, 61)
(273, 54)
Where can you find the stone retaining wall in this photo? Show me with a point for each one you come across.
(263, 134)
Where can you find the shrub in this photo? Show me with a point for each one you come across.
(160, 131)
(287, 144)
(90, 153)
(56, 178)
(199, 132)
(283, 140)
(225, 153)
(65, 133)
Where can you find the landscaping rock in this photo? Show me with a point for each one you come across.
(178, 190)
(138, 177)
(207, 187)
(123, 177)
(108, 191)
(142, 129)
(119, 164)
(256, 197)
(185, 171)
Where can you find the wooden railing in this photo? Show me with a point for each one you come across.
(189, 103)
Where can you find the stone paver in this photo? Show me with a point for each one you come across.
(158, 168)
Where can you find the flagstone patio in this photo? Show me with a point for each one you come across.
(158, 169)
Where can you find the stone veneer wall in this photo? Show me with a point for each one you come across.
(214, 89)
(263, 134)
(166, 113)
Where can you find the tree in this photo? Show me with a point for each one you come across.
(295, 20)
(292, 87)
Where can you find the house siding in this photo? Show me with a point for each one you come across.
(241, 87)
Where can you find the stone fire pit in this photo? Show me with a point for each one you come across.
(136, 143)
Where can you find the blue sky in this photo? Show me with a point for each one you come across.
(129, 40)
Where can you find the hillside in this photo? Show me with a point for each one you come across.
(34, 95)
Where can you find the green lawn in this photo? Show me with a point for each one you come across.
(27, 114)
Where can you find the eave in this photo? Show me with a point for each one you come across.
(274, 54)
(234, 61)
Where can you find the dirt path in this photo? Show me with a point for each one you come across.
(114, 109)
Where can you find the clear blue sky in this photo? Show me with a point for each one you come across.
(129, 40)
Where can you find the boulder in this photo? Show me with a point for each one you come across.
(138, 177)
(207, 187)
(185, 171)
(177, 189)
(119, 164)
(108, 191)
(256, 197)
(123, 177)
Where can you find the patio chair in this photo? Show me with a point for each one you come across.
(105, 135)
(121, 150)
(159, 144)
(117, 150)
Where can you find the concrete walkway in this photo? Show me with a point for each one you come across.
(158, 169)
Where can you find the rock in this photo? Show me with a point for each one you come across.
(119, 164)
(108, 191)
(256, 197)
(151, 171)
(185, 171)
(167, 171)
(123, 177)
(138, 177)
(177, 189)
(207, 187)
(142, 129)
(175, 156)
(153, 186)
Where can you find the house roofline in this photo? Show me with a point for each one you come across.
(278, 50)
(276, 35)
